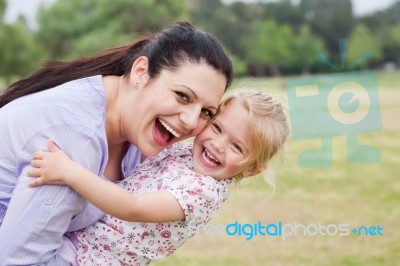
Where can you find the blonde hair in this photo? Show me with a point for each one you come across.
(268, 128)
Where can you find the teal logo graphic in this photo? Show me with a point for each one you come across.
(339, 104)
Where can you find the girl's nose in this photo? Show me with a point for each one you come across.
(219, 144)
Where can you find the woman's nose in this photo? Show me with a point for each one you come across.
(190, 117)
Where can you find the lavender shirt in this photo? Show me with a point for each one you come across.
(33, 220)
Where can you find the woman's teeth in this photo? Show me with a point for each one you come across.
(210, 159)
(167, 127)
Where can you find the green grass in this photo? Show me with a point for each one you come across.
(354, 194)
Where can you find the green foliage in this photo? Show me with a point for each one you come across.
(3, 5)
(380, 20)
(233, 24)
(274, 45)
(384, 26)
(391, 44)
(284, 12)
(307, 45)
(361, 41)
(239, 66)
(330, 19)
(19, 54)
(268, 37)
(73, 27)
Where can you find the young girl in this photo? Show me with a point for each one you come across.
(167, 194)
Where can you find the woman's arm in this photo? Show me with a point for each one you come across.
(47, 211)
(55, 167)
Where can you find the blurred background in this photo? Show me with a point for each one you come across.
(271, 43)
(265, 38)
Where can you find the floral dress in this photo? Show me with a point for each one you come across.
(111, 241)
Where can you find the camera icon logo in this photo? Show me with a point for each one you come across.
(340, 104)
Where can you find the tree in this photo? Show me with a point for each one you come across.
(391, 45)
(382, 19)
(241, 28)
(231, 23)
(19, 53)
(331, 20)
(3, 5)
(273, 46)
(385, 26)
(283, 12)
(362, 47)
(306, 46)
(73, 27)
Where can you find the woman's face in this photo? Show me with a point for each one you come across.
(174, 106)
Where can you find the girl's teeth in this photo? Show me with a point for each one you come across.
(173, 132)
(210, 155)
(209, 158)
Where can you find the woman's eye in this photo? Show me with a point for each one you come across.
(207, 114)
(183, 96)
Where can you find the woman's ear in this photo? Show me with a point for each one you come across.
(140, 71)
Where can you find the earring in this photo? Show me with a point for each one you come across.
(135, 84)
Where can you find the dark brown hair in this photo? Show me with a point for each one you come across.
(167, 49)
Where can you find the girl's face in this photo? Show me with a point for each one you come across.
(220, 149)
(174, 106)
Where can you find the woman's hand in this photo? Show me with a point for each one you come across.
(52, 167)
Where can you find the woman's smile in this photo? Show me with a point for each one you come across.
(163, 133)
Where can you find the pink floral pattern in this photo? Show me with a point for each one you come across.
(111, 241)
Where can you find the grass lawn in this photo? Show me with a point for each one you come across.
(347, 193)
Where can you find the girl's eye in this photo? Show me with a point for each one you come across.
(206, 114)
(183, 96)
(237, 147)
(216, 128)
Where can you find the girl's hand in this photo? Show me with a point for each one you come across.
(51, 167)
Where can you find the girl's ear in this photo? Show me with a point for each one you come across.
(251, 171)
(140, 71)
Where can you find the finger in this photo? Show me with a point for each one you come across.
(34, 172)
(38, 155)
(35, 183)
(36, 163)
(52, 146)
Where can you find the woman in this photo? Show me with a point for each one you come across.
(155, 92)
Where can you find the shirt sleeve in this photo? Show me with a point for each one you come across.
(199, 197)
(37, 218)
